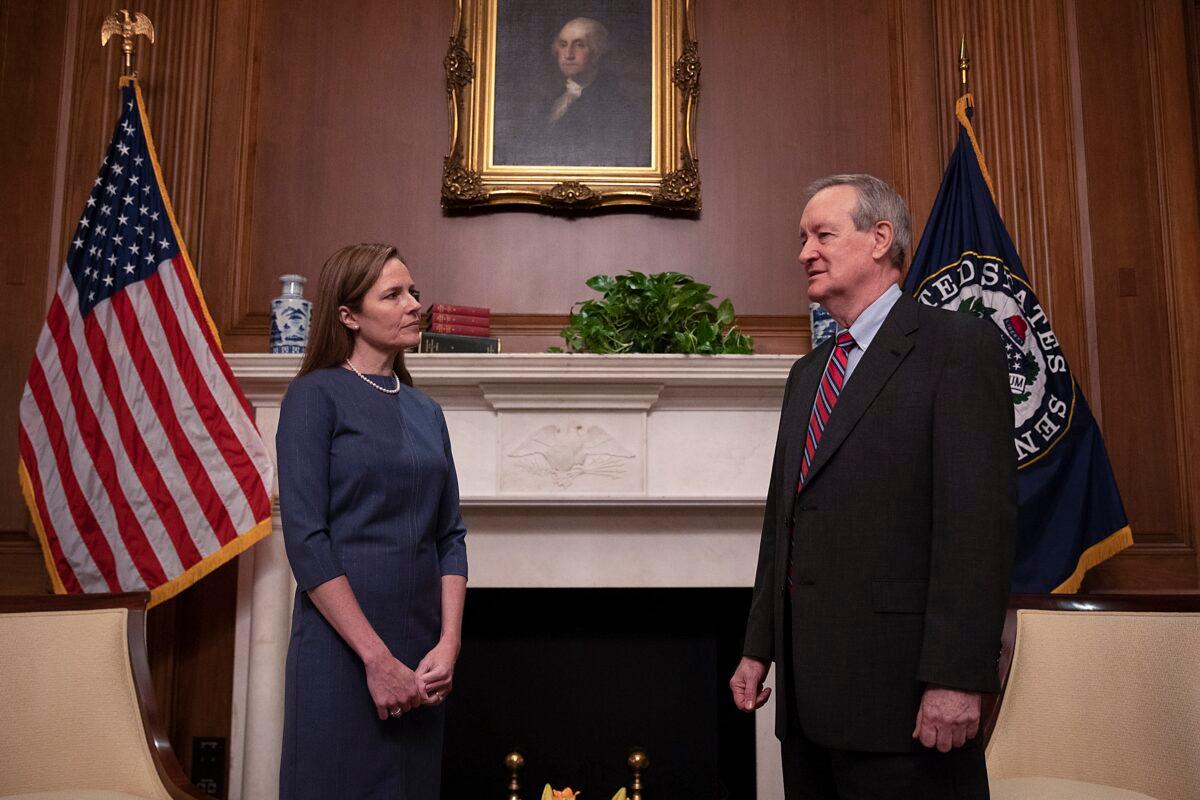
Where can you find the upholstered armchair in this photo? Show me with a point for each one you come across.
(77, 718)
(1101, 699)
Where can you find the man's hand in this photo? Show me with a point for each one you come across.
(746, 684)
(947, 718)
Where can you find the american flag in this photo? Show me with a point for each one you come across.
(140, 461)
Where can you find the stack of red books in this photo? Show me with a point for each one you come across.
(459, 320)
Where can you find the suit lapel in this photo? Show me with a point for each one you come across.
(796, 418)
(889, 347)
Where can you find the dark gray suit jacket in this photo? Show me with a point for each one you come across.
(903, 533)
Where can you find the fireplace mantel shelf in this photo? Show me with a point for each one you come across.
(260, 370)
(613, 501)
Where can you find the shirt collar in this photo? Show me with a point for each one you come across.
(871, 319)
(576, 87)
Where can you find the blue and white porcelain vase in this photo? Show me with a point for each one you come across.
(823, 325)
(290, 315)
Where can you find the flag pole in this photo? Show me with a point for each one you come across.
(964, 109)
(128, 28)
(964, 66)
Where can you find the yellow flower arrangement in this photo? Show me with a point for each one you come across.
(569, 794)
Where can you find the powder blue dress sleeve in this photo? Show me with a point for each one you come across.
(303, 442)
(451, 538)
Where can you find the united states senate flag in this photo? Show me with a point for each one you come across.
(140, 461)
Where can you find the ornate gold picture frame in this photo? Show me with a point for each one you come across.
(572, 105)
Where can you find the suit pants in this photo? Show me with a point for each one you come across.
(814, 772)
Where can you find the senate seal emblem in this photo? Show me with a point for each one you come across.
(1043, 392)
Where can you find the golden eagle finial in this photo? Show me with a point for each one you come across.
(128, 27)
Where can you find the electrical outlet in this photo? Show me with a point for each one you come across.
(208, 764)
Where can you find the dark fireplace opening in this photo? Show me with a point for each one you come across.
(576, 678)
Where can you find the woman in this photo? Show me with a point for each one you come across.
(371, 523)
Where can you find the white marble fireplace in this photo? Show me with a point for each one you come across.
(576, 471)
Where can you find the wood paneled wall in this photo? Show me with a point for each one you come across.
(1139, 149)
(289, 127)
(33, 41)
(1086, 113)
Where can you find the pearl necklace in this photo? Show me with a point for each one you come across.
(372, 383)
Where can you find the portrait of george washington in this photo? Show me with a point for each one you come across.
(573, 83)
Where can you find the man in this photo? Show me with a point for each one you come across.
(593, 120)
(579, 48)
(887, 542)
(587, 118)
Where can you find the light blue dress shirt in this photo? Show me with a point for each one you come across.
(867, 325)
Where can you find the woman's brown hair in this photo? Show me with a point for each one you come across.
(344, 281)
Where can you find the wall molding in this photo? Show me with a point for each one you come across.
(22, 567)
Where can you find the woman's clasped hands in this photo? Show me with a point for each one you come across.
(396, 689)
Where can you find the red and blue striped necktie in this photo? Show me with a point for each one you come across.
(827, 396)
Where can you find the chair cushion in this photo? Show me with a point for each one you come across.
(69, 715)
(1058, 789)
(1103, 697)
(74, 794)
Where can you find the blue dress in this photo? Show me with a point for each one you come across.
(367, 489)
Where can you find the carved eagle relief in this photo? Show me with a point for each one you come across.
(565, 452)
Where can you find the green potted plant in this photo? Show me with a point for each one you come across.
(667, 312)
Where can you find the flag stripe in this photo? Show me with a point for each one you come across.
(92, 435)
(187, 291)
(217, 374)
(53, 495)
(131, 473)
(50, 383)
(141, 460)
(66, 572)
(85, 521)
(239, 461)
(147, 415)
(160, 398)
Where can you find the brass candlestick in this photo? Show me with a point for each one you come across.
(638, 762)
(513, 763)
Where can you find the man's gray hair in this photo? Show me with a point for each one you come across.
(597, 34)
(877, 202)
